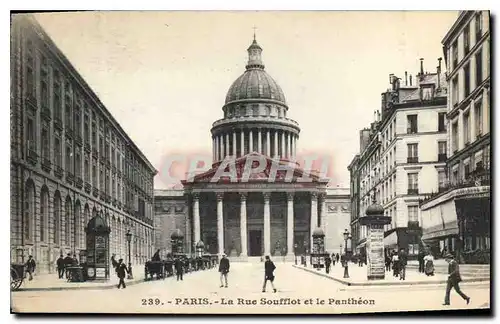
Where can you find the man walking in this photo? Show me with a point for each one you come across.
(179, 268)
(60, 266)
(421, 264)
(121, 269)
(328, 260)
(453, 279)
(224, 270)
(68, 260)
(403, 260)
(30, 267)
(269, 268)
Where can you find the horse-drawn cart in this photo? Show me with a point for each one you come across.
(17, 275)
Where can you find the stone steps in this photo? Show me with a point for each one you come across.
(466, 270)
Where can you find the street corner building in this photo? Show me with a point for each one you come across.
(255, 199)
(70, 159)
(426, 156)
(456, 217)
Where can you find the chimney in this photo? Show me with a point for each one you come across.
(410, 80)
(406, 78)
(421, 67)
(378, 115)
(375, 115)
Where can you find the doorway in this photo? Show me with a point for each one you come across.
(255, 246)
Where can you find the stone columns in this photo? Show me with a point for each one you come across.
(234, 144)
(243, 224)
(289, 225)
(214, 148)
(322, 210)
(196, 216)
(283, 146)
(288, 145)
(259, 139)
(314, 216)
(295, 139)
(221, 147)
(267, 224)
(250, 142)
(275, 144)
(242, 142)
(220, 223)
(268, 144)
(226, 151)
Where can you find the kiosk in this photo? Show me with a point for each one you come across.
(318, 254)
(97, 231)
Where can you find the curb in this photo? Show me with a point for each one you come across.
(100, 287)
(385, 283)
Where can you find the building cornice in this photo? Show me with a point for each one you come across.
(457, 26)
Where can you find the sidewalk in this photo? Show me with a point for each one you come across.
(358, 276)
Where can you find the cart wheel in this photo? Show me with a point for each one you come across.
(15, 280)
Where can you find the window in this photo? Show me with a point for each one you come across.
(454, 175)
(427, 93)
(454, 89)
(30, 70)
(57, 152)
(412, 124)
(466, 127)
(68, 158)
(454, 136)
(30, 129)
(466, 39)
(442, 151)
(412, 183)
(413, 213)
(442, 122)
(479, 67)
(101, 179)
(67, 114)
(86, 130)
(412, 153)
(78, 165)
(57, 96)
(45, 144)
(441, 179)
(466, 170)
(454, 54)
(479, 26)
(44, 89)
(87, 170)
(413, 248)
(478, 117)
(78, 130)
(466, 80)
(94, 174)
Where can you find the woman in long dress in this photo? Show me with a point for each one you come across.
(429, 264)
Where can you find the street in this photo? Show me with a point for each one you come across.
(298, 292)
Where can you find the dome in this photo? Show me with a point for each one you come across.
(374, 210)
(318, 232)
(176, 235)
(255, 83)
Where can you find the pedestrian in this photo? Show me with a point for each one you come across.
(333, 259)
(337, 257)
(421, 263)
(361, 260)
(269, 268)
(403, 260)
(224, 270)
(429, 264)
(179, 268)
(74, 262)
(388, 262)
(30, 267)
(60, 266)
(453, 280)
(328, 261)
(395, 264)
(67, 263)
(121, 269)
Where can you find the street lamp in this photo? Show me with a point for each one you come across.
(129, 240)
(346, 264)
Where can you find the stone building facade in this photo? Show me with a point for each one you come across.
(70, 159)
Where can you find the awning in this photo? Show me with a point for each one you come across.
(391, 239)
(440, 233)
(361, 245)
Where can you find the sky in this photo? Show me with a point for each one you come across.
(164, 75)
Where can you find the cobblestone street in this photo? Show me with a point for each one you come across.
(199, 292)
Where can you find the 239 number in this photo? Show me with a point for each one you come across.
(150, 301)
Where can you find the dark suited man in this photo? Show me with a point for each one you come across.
(269, 268)
(121, 270)
(328, 261)
(421, 256)
(224, 270)
(60, 266)
(453, 279)
(403, 261)
(179, 268)
(68, 261)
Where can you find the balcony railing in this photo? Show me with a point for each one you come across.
(68, 132)
(58, 123)
(413, 225)
(32, 156)
(46, 165)
(58, 171)
(95, 192)
(412, 159)
(70, 177)
(78, 140)
(87, 147)
(476, 178)
(412, 191)
(88, 187)
(79, 183)
(411, 130)
(442, 157)
(46, 113)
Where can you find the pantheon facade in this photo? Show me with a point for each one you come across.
(270, 212)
